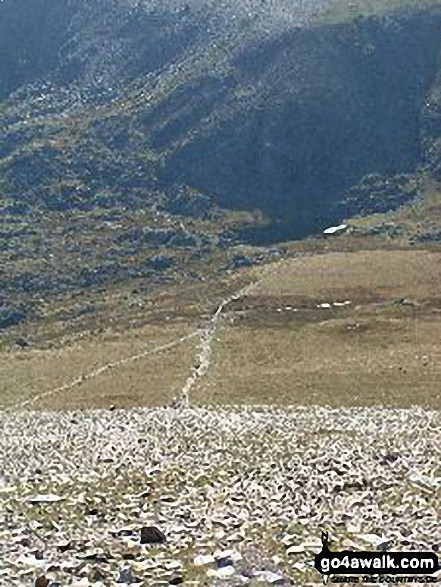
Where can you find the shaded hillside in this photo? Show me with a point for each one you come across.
(325, 107)
(193, 117)
(259, 115)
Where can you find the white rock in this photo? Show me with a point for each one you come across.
(30, 561)
(353, 528)
(335, 229)
(267, 577)
(234, 555)
(287, 539)
(296, 549)
(83, 583)
(373, 539)
(314, 546)
(204, 559)
(172, 565)
(222, 573)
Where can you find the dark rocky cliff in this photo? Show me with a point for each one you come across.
(113, 109)
(278, 118)
(333, 104)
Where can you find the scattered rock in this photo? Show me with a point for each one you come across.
(204, 559)
(96, 555)
(227, 558)
(152, 535)
(224, 562)
(270, 577)
(295, 549)
(404, 302)
(373, 539)
(48, 498)
(126, 576)
(84, 582)
(11, 317)
(161, 263)
(274, 466)
(64, 546)
(98, 575)
(222, 573)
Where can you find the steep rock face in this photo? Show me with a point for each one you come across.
(259, 105)
(332, 105)
(98, 45)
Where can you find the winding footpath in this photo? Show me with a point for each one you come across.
(206, 336)
(203, 359)
(87, 377)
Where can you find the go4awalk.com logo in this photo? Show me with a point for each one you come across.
(417, 567)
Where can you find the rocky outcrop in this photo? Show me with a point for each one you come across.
(275, 114)
(203, 110)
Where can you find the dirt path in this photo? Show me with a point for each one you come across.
(203, 359)
(206, 335)
(103, 369)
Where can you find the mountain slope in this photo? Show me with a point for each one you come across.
(262, 114)
(138, 137)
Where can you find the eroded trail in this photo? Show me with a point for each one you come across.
(203, 359)
(100, 371)
(206, 335)
(204, 349)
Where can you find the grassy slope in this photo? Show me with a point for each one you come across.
(375, 351)
(282, 348)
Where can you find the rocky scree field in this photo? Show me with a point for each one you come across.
(210, 497)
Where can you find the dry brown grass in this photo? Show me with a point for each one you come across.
(374, 352)
(148, 380)
(379, 274)
(394, 363)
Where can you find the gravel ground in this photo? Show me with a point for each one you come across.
(237, 495)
